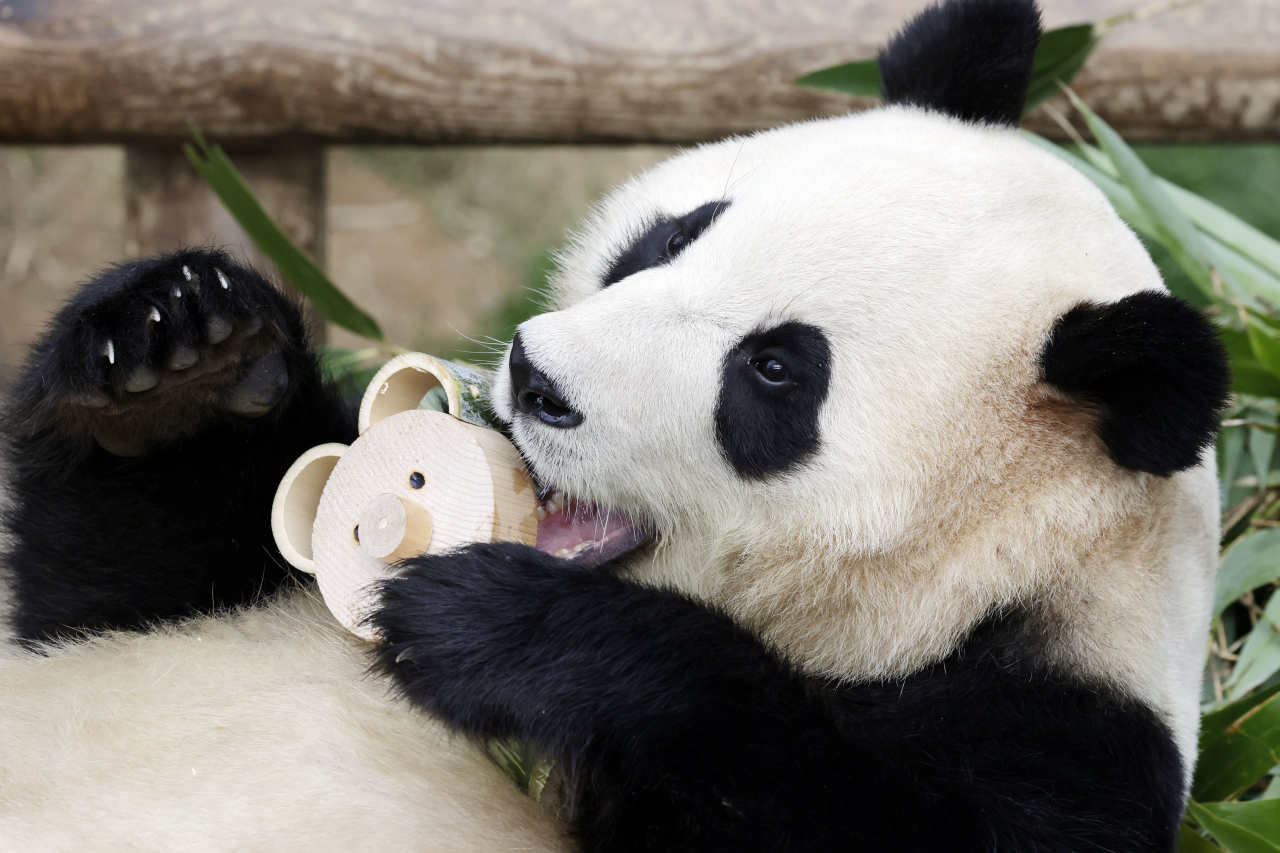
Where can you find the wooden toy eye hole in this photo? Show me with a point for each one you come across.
(355, 531)
(416, 480)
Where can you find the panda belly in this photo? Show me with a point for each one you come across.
(261, 730)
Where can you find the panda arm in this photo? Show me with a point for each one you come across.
(678, 727)
(196, 374)
(680, 730)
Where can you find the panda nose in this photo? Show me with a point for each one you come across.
(534, 394)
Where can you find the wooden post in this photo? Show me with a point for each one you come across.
(431, 71)
(169, 206)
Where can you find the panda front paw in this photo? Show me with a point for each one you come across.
(475, 636)
(154, 350)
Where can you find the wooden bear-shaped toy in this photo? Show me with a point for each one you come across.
(426, 474)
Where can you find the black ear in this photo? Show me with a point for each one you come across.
(1155, 367)
(967, 58)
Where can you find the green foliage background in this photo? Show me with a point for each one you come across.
(1217, 260)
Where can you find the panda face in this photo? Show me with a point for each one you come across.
(812, 362)
(763, 322)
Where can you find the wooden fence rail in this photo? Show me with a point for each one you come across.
(428, 71)
(275, 80)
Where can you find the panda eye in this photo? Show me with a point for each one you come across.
(665, 238)
(676, 242)
(772, 370)
(772, 387)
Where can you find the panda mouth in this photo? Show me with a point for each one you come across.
(586, 533)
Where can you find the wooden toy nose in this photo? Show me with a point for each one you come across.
(392, 529)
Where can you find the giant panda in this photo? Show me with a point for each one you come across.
(879, 514)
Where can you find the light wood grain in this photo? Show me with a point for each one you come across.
(465, 491)
(392, 529)
(293, 512)
(414, 482)
(557, 70)
(399, 386)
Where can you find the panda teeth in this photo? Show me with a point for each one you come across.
(553, 503)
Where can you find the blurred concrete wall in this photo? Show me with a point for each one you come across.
(441, 245)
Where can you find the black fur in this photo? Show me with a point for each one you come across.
(680, 731)
(663, 240)
(765, 427)
(101, 540)
(1155, 368)
(536, 394)
(968, 58)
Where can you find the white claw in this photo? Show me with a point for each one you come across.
(222, 279)
(177, 293)
(186, 272)
(109, 350)
(154, 317)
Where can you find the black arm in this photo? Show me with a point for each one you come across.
(146, 435)
(681, 731)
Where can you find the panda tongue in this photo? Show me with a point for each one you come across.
(584, 533)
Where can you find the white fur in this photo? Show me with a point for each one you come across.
(935, 256)
(260, 731)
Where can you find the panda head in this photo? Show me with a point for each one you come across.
(840, 367)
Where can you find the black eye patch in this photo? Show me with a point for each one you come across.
(773, 385)
(663, 240)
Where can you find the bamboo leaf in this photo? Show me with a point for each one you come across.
(1214, 723)
(300, 270)
(854, 78)
(1231, 453)
(1240, 754)
(1248, 376)
(1260, 655)
(1227, 227)
(1272, 791)
(1173, 229)
(1262, 445)
(1252, 562)
(1060, 55)
(1252, 827)
(1262, 442)
(1265, 343)
(1253, 278)
(1191, 841)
